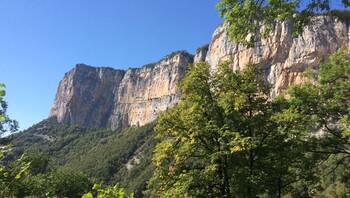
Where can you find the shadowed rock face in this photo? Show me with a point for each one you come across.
(282, 57)
(109, 98)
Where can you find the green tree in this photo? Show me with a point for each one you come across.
(246, 17)
(108, 192)
(67, 183)
(223, 139)
(324, 103)
(323, 106)
(6, 124)
(11, 175)
(8, 176)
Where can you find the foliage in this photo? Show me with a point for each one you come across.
(324, 102)
(6, 124)
(246, 17)
(99, 153)
(108, 192)
(29, 176)
(323, 106)
(10, 175)
(223, 139)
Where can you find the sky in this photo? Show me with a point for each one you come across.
(41, 40)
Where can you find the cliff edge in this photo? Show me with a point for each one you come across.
(107, 98)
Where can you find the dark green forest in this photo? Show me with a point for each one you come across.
(100, 154)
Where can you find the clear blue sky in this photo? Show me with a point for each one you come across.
(40, 40)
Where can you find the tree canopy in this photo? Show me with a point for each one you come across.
(246, 17)
(224, 139)
(227, 138)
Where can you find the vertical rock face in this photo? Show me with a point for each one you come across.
(282, 57)
(108, 98)
(85, 96)
(147, 91)
(201, 53)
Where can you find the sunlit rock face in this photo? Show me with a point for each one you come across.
(282, 57)
(108, 98)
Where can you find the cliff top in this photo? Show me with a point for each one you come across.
(82, 66)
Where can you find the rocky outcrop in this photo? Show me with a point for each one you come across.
(109, 98)
(201, 53)
(282, 57)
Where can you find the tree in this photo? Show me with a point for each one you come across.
(246, 17)
(323, 105)
(6, 124)
(108, 192)
(191, 160)
(223, 139)
(8, 177)
(67, 183)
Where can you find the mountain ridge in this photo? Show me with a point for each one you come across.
(137, 96)
(108, 98)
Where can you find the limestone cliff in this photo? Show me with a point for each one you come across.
(109, 98)
(282, 57)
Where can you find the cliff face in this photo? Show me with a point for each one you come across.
(282, 57)
(108, 98)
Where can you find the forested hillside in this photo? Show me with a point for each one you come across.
(122, 156)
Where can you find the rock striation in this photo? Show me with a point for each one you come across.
(282, 57)
(108, 98)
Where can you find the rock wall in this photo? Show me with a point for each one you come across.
(282, 57)
(109, 98)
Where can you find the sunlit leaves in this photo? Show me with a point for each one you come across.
(108, 192)
(246, 18)
(214, 134)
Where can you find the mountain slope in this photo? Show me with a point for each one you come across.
(104, 155)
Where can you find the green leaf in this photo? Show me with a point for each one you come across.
(2, 93)
(88, 195)
(18, 176)
(2, 118)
